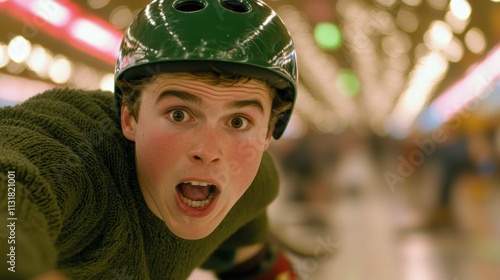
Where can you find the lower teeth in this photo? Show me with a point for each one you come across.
(197, 203)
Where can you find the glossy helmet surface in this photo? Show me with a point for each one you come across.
(240, 37)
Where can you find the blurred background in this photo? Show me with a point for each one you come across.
(390, 162)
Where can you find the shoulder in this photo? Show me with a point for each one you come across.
(61, 110)
(83, 100)
(61, 123)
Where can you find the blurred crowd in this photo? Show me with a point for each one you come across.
(443, 185)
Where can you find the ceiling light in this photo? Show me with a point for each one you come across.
(438, 36)
(19, 49)
(397, 43)
(60, 70)
(108, 82)
(461, 9)
(455, 50)
(95, 35)
(427, 74)
(457, 25)
(121, 17)
(52, 12)
(39, 61)
(407, 20)
(475, 40)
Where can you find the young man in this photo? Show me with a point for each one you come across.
(168, 175)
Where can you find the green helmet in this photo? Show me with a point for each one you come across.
(240, 37)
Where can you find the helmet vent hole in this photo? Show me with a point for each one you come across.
(236, 6)
(189, 6)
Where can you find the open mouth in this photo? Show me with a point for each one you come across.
(197, 194)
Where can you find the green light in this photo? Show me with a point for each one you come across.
(348, 83)
(327, 36)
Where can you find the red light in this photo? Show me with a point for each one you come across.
(66, 21)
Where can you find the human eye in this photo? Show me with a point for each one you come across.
(179, 115)
(239, 123)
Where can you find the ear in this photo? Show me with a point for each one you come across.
(268, 139)
(128, 122)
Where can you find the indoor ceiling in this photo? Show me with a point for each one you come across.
(389, 49)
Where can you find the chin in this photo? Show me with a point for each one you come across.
(193, 232)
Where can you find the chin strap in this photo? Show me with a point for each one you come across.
(268, 264)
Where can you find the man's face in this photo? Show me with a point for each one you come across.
(198, 148)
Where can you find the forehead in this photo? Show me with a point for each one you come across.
(208, 79)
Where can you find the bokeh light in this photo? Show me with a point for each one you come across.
(407, 20)
(108, 82)
(60, 70)
(19, 49)
(475, 40)
(327, 36)
(121, 17)
(39, 61)
(461, 9)
(348, 83)
(438, 36)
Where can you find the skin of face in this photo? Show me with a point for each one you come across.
(190, 130)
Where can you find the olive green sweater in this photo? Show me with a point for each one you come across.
(78, 208)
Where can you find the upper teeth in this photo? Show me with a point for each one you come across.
(198, 183)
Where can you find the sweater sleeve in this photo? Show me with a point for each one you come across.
(46, 162)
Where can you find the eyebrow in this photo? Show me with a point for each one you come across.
(246, 103)
(186, 96)
(189, 97)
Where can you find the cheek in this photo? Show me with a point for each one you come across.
(156, 152)
(244, 163)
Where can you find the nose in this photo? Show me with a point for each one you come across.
(207, 147)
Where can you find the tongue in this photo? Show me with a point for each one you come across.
(194, 192)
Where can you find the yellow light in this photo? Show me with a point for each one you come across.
(60, 70)
(19, 49)
(438, 36)
(455, 50)
(457, 25)
(121, 17)
(39, 60)
(407, 20)
(461, 9)
(475, 40)
(108, 82)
